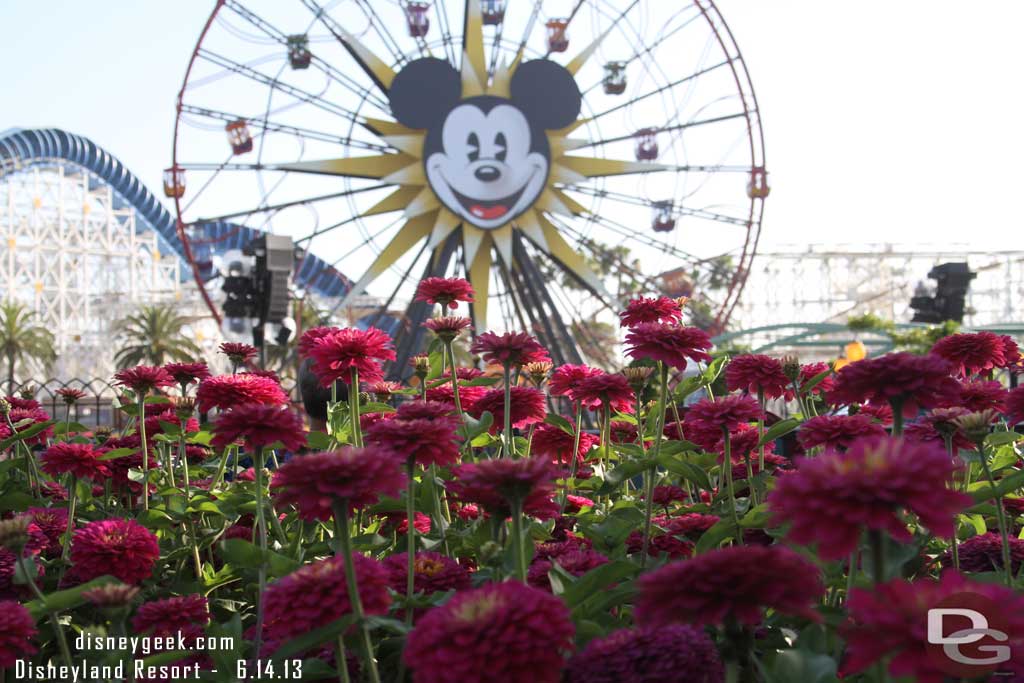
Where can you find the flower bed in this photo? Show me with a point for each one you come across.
(454, 529)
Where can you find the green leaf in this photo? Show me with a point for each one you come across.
(313, 638)
(598, 579)
(318, 441)
(713, 537)
(61, 601)
(814, 381)
(474, 427)
(803, 666)
(777, 430)
(561, 423)
(627, 470)
(1003, 438)
(1007, 484)
(16, 500)
(687, 470)
(436, 361)
(374, 407)
(26, 433)
(118, 453)
(242, 553)
(714, 369)
(62, 428)
(757, 518)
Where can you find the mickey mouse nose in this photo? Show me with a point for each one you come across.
(487, 174)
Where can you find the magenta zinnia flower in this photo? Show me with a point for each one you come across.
(17, 631)
(259, 426)
(143, 378)
(528, 407)
(675, 653)
(971, 353)
(929, 427)
(1013, 406)
(119, 547)
(720, 585)
(339, 352)
(70, 395)
(186, 614)
(556, 444)
(727, 412)
(445, 291)
(837, 432)
(575, 562)
(603, 389)
(891, 621)
(979, 395)
(984, 553)
(565, 378)
(35, 416)
(495, 484)
(316, 594)
(434, 573)
(360, 476)
(228, 391)
(651, 310)
(237, 352)
(79, 459)
(187, 373)
(53, 522)
(673, 345)
(448, 327)
(914, 381)
(512, 348)
(427, 440)
(504, 632)
(310, 337)
(468, 396)
(831, 498)
(755, 372)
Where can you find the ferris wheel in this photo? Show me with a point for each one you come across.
(560, 154)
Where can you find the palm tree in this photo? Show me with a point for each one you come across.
(153, 336)
(23, 339)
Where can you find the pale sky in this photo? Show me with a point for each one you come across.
(884, 121)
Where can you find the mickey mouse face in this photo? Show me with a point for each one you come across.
(486, 158)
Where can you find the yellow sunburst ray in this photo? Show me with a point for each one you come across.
(580, 59)
(547, 201)
(425, 201)
(503, 241)
(408, 236)
(480, 277)
(377, 166)
(501, 83)
(411, 144)
(471, 84)
(594, 167)
(560, 144)
(382, 127)
(379, 72)
(413, 174)
(446, 222)
(574, 206)
(572, 260)
(561, 174)
(473, 43)
(529, 225)
(396, 201)
(472, 240)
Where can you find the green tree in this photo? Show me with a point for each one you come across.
(154, 336)
(23, 338)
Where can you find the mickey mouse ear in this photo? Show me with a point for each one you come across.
(546, 93)
(424, 91)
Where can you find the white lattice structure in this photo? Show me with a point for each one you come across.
(829, 283)
(74, 255)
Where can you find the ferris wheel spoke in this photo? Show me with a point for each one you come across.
(654, 204)
(666, 129)
(269, 208)
(373, 66)
(631, 234)
(392, 45)
(446, 32)
(531, 22)
(273, 127)
(658, 91)
(246, 71)
(282, 38)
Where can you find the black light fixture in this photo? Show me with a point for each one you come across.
(953, 280)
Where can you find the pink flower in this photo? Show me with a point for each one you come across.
(830, 499)
(575, 562)
(651, 310)
(434, 573)
(675, 653)
(725, 413)
(237, 352)
(429, 439)
(228, 391)
(673, 345)
(512, 348)
(837, 432)
(984, 553)
(720, 585)
(310, 337)
(143, 378)
(914, 381)
(565, 378)
(119, 547)
(972, 353)
(495, 484)
(926, 429)
(81, 460)
(528, 407)
(448, 327)
(755, 372)
(504, 632)
(359, 476)
(979, 395)
(602, 389)
(556, 444)
(444, 291)
(259, 426)
(336, 354)
(70, 395)
(809, 371)
(1013, 406)
(17, 631)
(187, 373)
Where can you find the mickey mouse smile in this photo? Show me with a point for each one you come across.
(490, 209)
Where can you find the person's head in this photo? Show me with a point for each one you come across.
(316, 397)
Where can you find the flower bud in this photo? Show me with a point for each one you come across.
(490, 553)
(421, 365)
(638, 376)
(184, 407)
(112, 597)
(5, 406)
(976, 426)
(538, 371)
(27, 392)
(791, 368)
(14, 533)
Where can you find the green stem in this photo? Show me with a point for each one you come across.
(439, 513)
(219, 476)
(947, 440)
(145, 451)
(852, 574)
(509, 439)
(897, 415)
(573, 458)
(658, 438)
(342, 660)
(760, 438)
(455, 380)
(261, 531)
(1000, 518)
(193, 541)
(410, 511)
(517, 538)
(58, 631)
(876, 540)
(353, 402)
(727, 465)
(72, 501)
(341, 519)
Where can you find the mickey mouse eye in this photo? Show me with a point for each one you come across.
(474, 146)
(502, 144)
